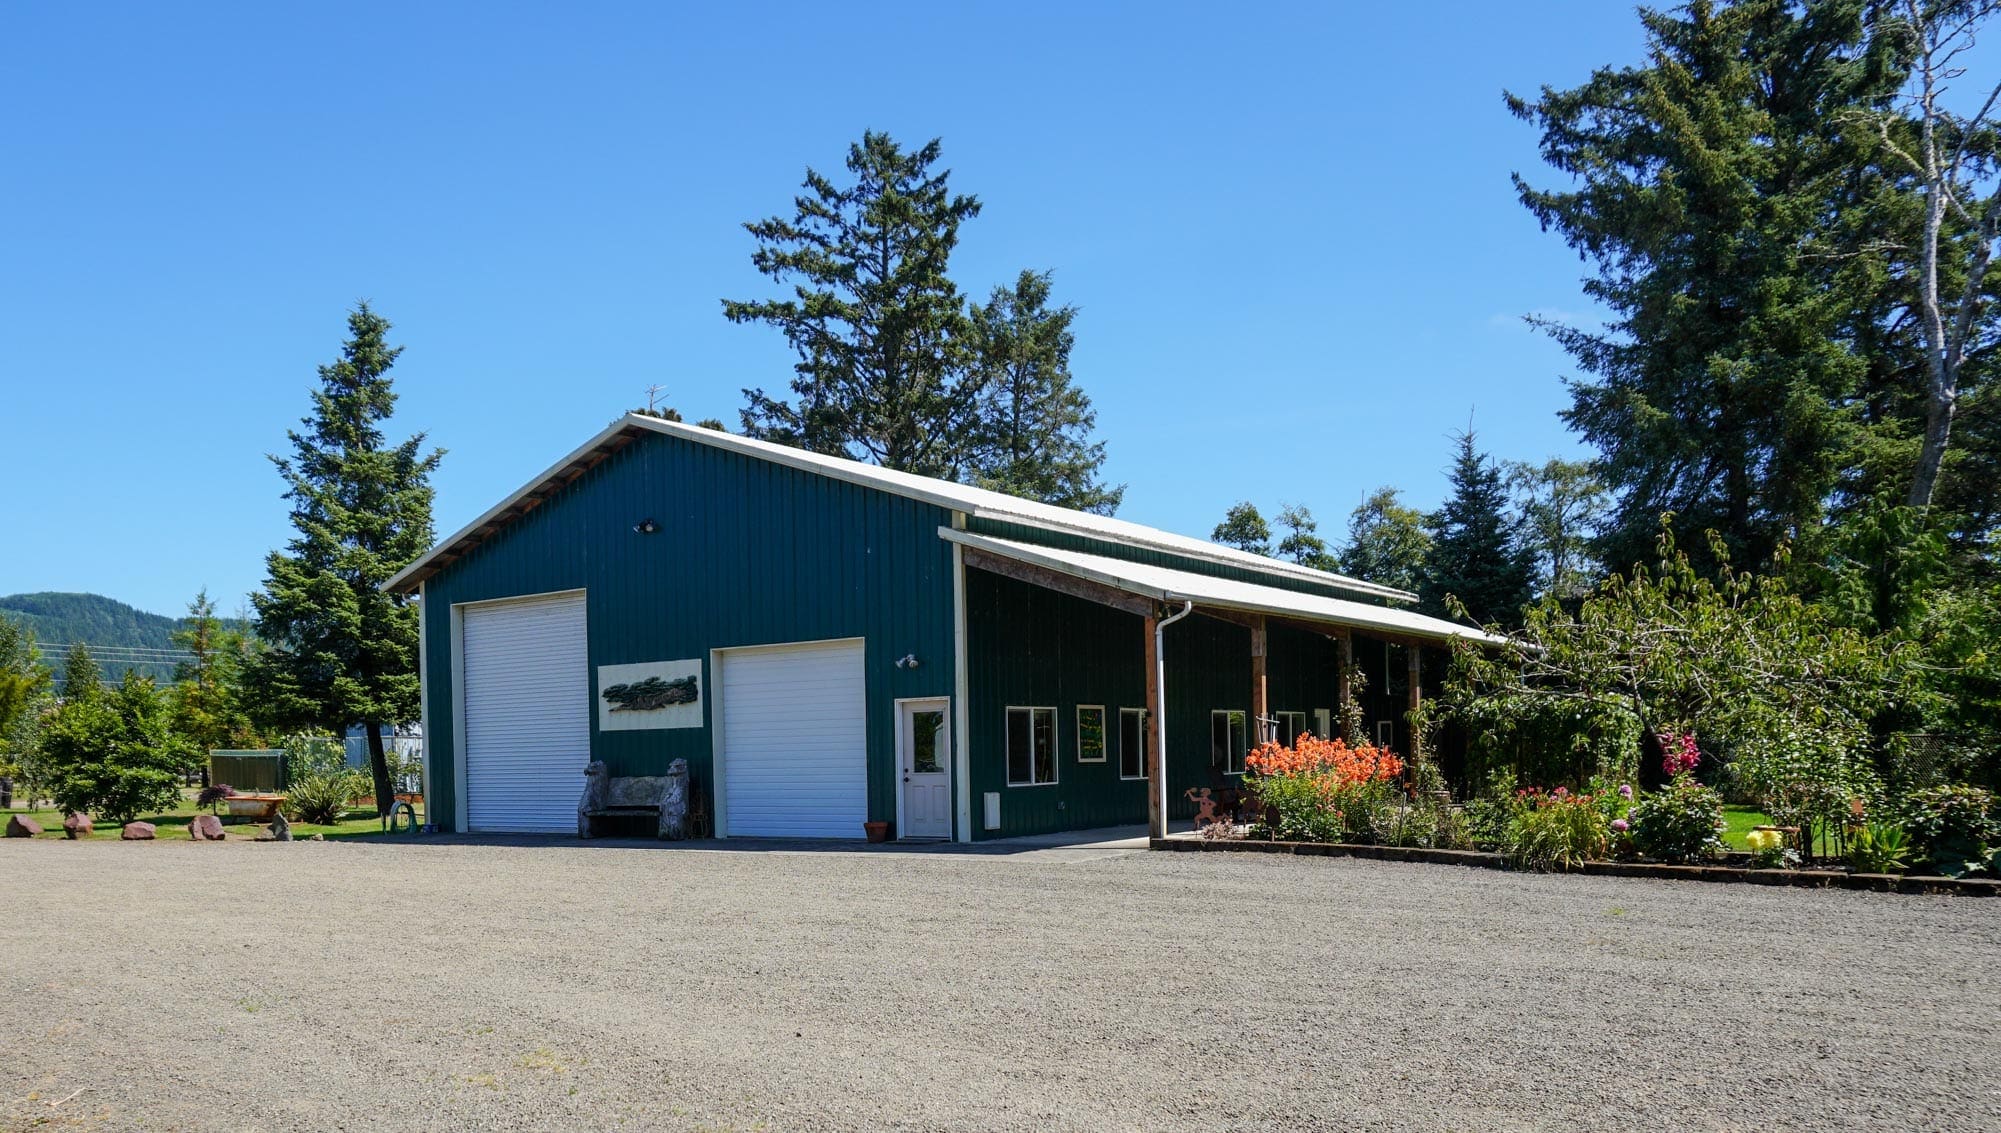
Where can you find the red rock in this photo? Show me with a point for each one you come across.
(138, 832)
(76, 826)
(205, 828)
(21, 826)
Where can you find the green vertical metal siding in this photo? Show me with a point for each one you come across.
(1030, 647)
(748, 553)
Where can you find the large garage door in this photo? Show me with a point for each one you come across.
(527, 714)
(795, 746)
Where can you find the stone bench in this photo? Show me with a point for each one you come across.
(623, 796)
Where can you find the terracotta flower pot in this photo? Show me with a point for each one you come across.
(876, 831)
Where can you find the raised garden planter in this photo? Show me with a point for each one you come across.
(253, 806)
(1803, 878)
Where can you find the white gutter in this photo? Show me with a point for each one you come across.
(1160, 691)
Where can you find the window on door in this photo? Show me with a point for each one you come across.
(1227, 738)
(1090, 733)
(1132, 743)
(1031, 747)
(926, 726)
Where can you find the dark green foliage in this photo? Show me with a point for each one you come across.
(1302, 542)
(208, 692)
(1952, 828)
(102, 622)
(114, 754)
(339, 650)
(323, 797)
(1244, 528)
(1475, 554)
(1387, 542)
(883, 370)
(1747, 329)
(1547, 742)
(1681, 822)
(82, 679)
(1034, 434)
(23, 678)
(1879, 847)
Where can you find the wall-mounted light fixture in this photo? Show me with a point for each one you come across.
(646, 526)
(907, 661)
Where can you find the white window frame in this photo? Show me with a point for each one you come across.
(1386, 734)
(1296, 719)
(1141, 714)
(1231, 753)
(1104, 741)
(1056, 746)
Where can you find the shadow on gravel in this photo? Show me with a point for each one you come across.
(1121, 838)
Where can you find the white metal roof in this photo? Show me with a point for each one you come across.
(980, 502)
(1166, 584)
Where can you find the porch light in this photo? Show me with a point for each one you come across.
(646, 526)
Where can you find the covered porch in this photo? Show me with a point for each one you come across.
(1102, 691)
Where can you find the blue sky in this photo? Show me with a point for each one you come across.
(1289, 229)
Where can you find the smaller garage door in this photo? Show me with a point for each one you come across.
(527, 714)
(795, 743)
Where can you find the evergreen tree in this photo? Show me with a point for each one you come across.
(1035, 422)
(884, 371)
(1243, 528)
(1387, 542)
(1562, 503)
(1475, 555)
(339, 650)
(82, 680)
(1302, 543)
(1722, 201)
(207, 699)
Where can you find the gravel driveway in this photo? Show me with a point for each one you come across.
(564, 986)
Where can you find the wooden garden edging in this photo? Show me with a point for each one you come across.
(1803, 878)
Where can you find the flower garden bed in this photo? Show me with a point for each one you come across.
(1802, 878)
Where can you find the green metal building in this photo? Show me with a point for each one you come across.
(830, 644)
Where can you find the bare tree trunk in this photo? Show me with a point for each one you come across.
(378, 764)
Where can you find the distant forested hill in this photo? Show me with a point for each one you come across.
(121, 635)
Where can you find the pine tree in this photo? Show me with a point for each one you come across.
(1475, 554)
(1387, 542)
(339, 650)
(1723, 200)
(1244, 528)
(206, 694)
(1035, 422)
(1302, 543)
(82, 679)
(884, 371)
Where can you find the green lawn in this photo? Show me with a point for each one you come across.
(1741, 819)
(357, 823)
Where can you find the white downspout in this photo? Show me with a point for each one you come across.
(1160, 687)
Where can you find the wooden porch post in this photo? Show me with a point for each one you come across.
(1156, 762)
(1260, 699)
(1344, 688)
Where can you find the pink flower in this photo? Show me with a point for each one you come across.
(1625, 790)
(1560, 792)
(1679, 754)
(1620, 825)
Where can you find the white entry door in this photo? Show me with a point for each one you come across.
(924, 759)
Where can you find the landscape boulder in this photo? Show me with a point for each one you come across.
(205, 828)
(76, 826)
(281, 830)
(21, 826)
(138, 832)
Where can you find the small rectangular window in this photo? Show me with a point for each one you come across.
(1323, 723)
(1090, 733)
(1291, 725)
(1386, 734)
(1227, 740)
(1031, 746)
(1132, 743)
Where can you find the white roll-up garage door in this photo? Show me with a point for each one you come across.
(795, 741)
(527, 713)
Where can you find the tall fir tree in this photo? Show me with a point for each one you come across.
(1729, 386)
(1476, 555)
(207, 700)
(883, 370)
(338, 650)
(1035, 422)
(82, 679)
(1387, 542)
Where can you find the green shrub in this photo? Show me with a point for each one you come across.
(1953, 828)
(113, 753)
(310, 756)
(1879, 847)
(1397, 821)
(1678, 823)
(1557, 831)
(324, 798)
